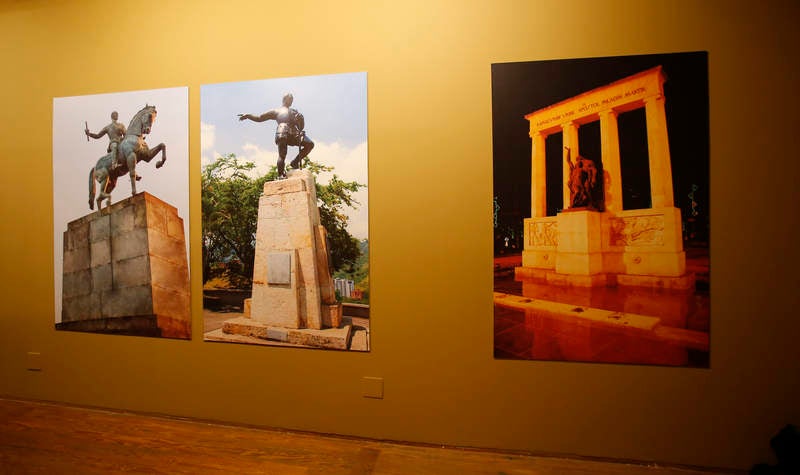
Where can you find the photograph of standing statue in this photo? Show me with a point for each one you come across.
(601, 225)
(121, 269)
(285, 222)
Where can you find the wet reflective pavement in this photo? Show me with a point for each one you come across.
(534, 335)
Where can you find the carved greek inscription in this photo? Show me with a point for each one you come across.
(549, 120)
(637, 231)
(584, 109)
(633, 92)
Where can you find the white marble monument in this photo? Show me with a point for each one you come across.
(581, 247)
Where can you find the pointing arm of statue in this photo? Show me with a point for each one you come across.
(260, 118)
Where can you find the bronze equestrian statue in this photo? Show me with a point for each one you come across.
(122, 159)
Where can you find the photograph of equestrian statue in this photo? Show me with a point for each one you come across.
(285, 220)
(121, 213)
(601, 210)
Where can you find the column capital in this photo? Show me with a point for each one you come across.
(653, 98)
(608, 113)
(537, 133)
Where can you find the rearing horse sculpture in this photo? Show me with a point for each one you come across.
(131, 149)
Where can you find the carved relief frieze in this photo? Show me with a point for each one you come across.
(637, 231)
(544, 233)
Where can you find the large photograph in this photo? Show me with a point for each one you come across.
(285, 212)
(601, 200)
(121, 210)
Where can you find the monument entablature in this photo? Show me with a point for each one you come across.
(620, 96)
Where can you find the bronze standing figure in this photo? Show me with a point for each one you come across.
(290, 132)
(582, 182)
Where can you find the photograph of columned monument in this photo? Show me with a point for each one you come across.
(601, 210)
(285, 212)
(120, 210)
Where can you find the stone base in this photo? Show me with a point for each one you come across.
(360, 341)
(331, 338)
(568, 332)
(292, 286)
(684, 282)
(331, 315)
(136, 326)
(220, 336)
(586, 248)
(578, 313)
(127, 263)
(542, 259)
(531, 274)
(596, 280)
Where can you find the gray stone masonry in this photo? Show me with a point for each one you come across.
(126, 271)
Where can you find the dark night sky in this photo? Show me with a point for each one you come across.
(521, 88)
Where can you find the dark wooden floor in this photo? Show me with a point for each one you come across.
(50, 438)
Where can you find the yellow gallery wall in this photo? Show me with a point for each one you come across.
(430, 165)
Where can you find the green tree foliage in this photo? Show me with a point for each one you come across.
(358, 272)
(230, 194)
(230, 211)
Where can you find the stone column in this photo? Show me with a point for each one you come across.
(571, 141)
(538, 176)
(609, 141)
(658, 148)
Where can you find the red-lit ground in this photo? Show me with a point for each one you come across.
(518, 335)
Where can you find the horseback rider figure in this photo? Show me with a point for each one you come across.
(115, 131)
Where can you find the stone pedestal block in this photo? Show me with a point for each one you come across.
(126, 271)
(292, 285)
(579, 249)
(637, 248)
